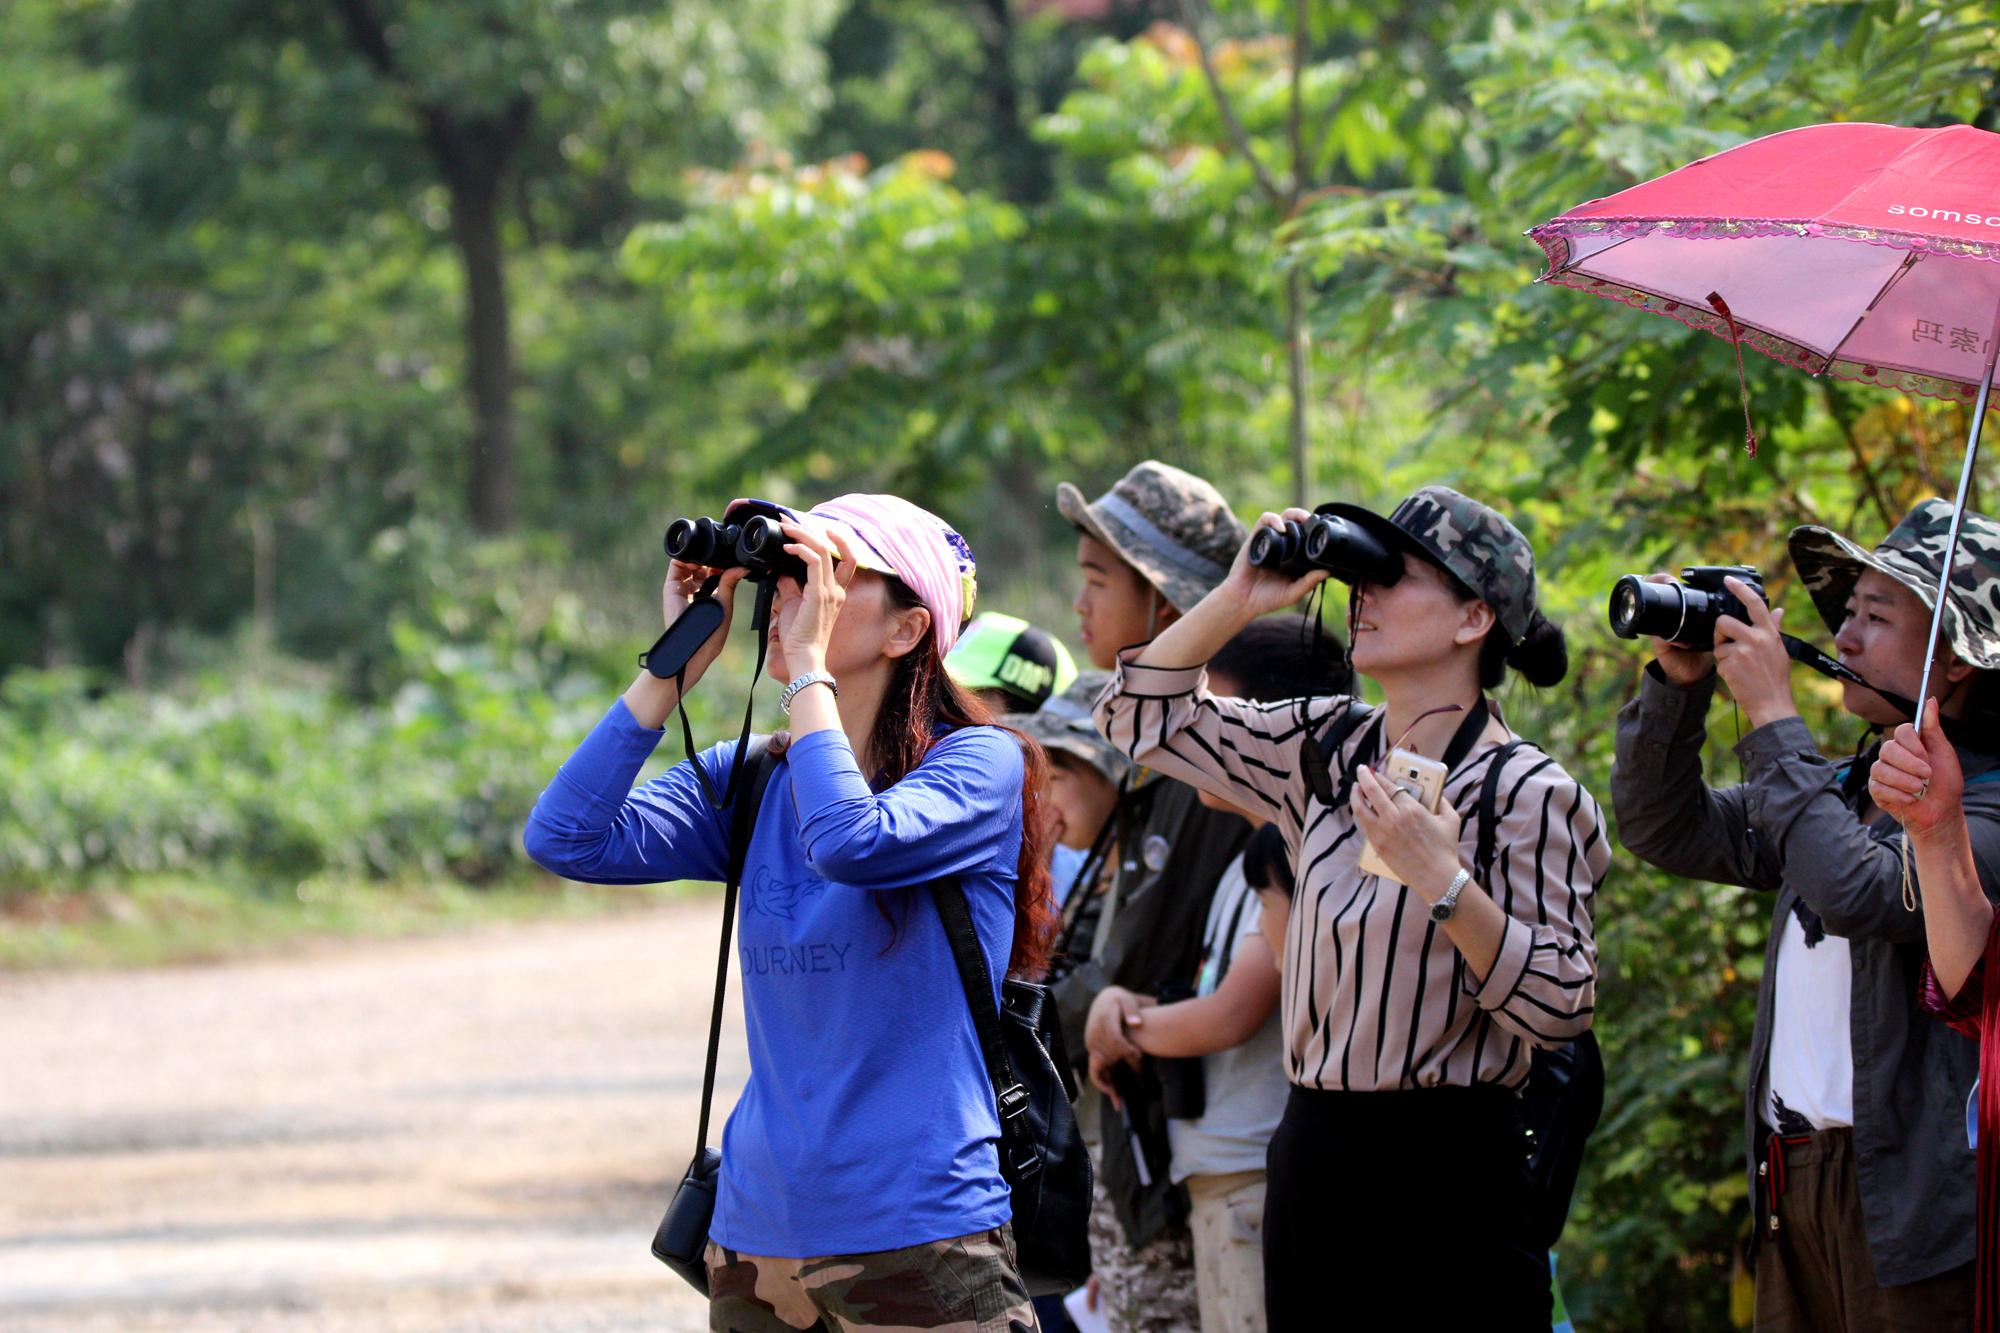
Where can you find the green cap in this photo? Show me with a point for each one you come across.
(1006, 653)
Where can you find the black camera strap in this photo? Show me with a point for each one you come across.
(742, 823)
(1805, 654)
(1319, 753)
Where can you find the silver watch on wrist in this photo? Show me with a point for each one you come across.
(810, 678)
(1443, 908)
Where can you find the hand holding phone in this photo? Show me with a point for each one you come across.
(1420, 777)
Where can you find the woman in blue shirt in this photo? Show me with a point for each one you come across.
(860, 1180)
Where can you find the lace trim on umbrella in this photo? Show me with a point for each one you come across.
(1778, 349)
(1553, 236)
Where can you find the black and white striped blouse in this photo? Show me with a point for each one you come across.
(1375, 996)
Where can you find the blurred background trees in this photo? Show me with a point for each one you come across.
(354, 353)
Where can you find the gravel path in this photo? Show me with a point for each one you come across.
(475, 1132)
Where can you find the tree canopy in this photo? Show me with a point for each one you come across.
(354, 353)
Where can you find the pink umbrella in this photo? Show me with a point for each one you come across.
(1866, 252)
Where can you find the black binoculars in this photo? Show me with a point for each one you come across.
(1346, 550)
(1684, 613)
(756, 544)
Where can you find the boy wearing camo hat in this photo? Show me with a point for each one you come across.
(1149, 549)
(1861, 1182)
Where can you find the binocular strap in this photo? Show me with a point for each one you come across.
(760, 623)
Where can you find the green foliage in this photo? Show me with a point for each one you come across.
(233, 401)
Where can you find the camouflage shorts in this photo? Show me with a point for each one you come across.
(1147, 1290)
(967, 1285)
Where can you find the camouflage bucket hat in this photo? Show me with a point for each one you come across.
(1473, 543)
(1913, 555)
(1170, 525)
(1063, 723)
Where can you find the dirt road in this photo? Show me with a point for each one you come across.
(425, 1136)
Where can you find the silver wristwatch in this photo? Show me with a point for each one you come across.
(1442, 909)
(810, 678)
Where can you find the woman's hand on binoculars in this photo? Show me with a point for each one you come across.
(1259, 592)
(805, 623)
(1751, 658)
(683, 583)
(650, 699)
(1917, 779)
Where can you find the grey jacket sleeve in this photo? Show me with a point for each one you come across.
(1666, 815)
(1850, 875)
(1848, 872)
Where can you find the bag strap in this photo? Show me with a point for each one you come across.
(1487, 847)
(1318, 753)
(1018, 1158)
(759, 764)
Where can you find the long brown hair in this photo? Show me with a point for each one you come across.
(922, 697)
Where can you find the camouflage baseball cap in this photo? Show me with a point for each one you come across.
(1473, 543)
(1170, 525)
(1913, 555)
(1063, 723)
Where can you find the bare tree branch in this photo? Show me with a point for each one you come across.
(1191, 17)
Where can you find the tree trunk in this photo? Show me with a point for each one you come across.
(1296, 342)
(473, 154)
(1025, 174)
(1296, 345)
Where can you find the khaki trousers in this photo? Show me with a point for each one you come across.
(1227, 1218)
(1814, 1272)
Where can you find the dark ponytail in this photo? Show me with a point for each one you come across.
(1542, 655)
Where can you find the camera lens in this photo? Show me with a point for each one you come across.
(1659, 609)
(1625, 606)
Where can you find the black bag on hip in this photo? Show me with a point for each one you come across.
(1042, 1156)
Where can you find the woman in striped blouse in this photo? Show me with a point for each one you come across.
(1411, 1001)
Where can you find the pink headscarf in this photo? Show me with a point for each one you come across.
(917, 547)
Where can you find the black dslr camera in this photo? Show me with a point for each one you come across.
(1684, 612)
(756, 544)
(1346, 550)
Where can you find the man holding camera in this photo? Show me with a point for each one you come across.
(1149, 549)
(1862, 1183)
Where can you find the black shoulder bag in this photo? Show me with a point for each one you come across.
(683, 1233)
(1564, 1094)
(1042, 1157)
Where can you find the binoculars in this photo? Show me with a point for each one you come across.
(1684, 613)
(1345, 550)
(756, 544)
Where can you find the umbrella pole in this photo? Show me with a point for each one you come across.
(1944, 578)
(1958, 515)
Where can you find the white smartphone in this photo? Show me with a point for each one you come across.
(1420, 777)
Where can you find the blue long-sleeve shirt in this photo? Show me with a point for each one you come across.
(868, 1122)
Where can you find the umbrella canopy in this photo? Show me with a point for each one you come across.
(1867, 252)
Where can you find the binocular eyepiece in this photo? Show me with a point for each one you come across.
(1685, 612)
(1345, 550)
(756, 544)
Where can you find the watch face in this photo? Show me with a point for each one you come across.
(1440, 912)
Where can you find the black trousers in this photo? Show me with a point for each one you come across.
(1419, 1199)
